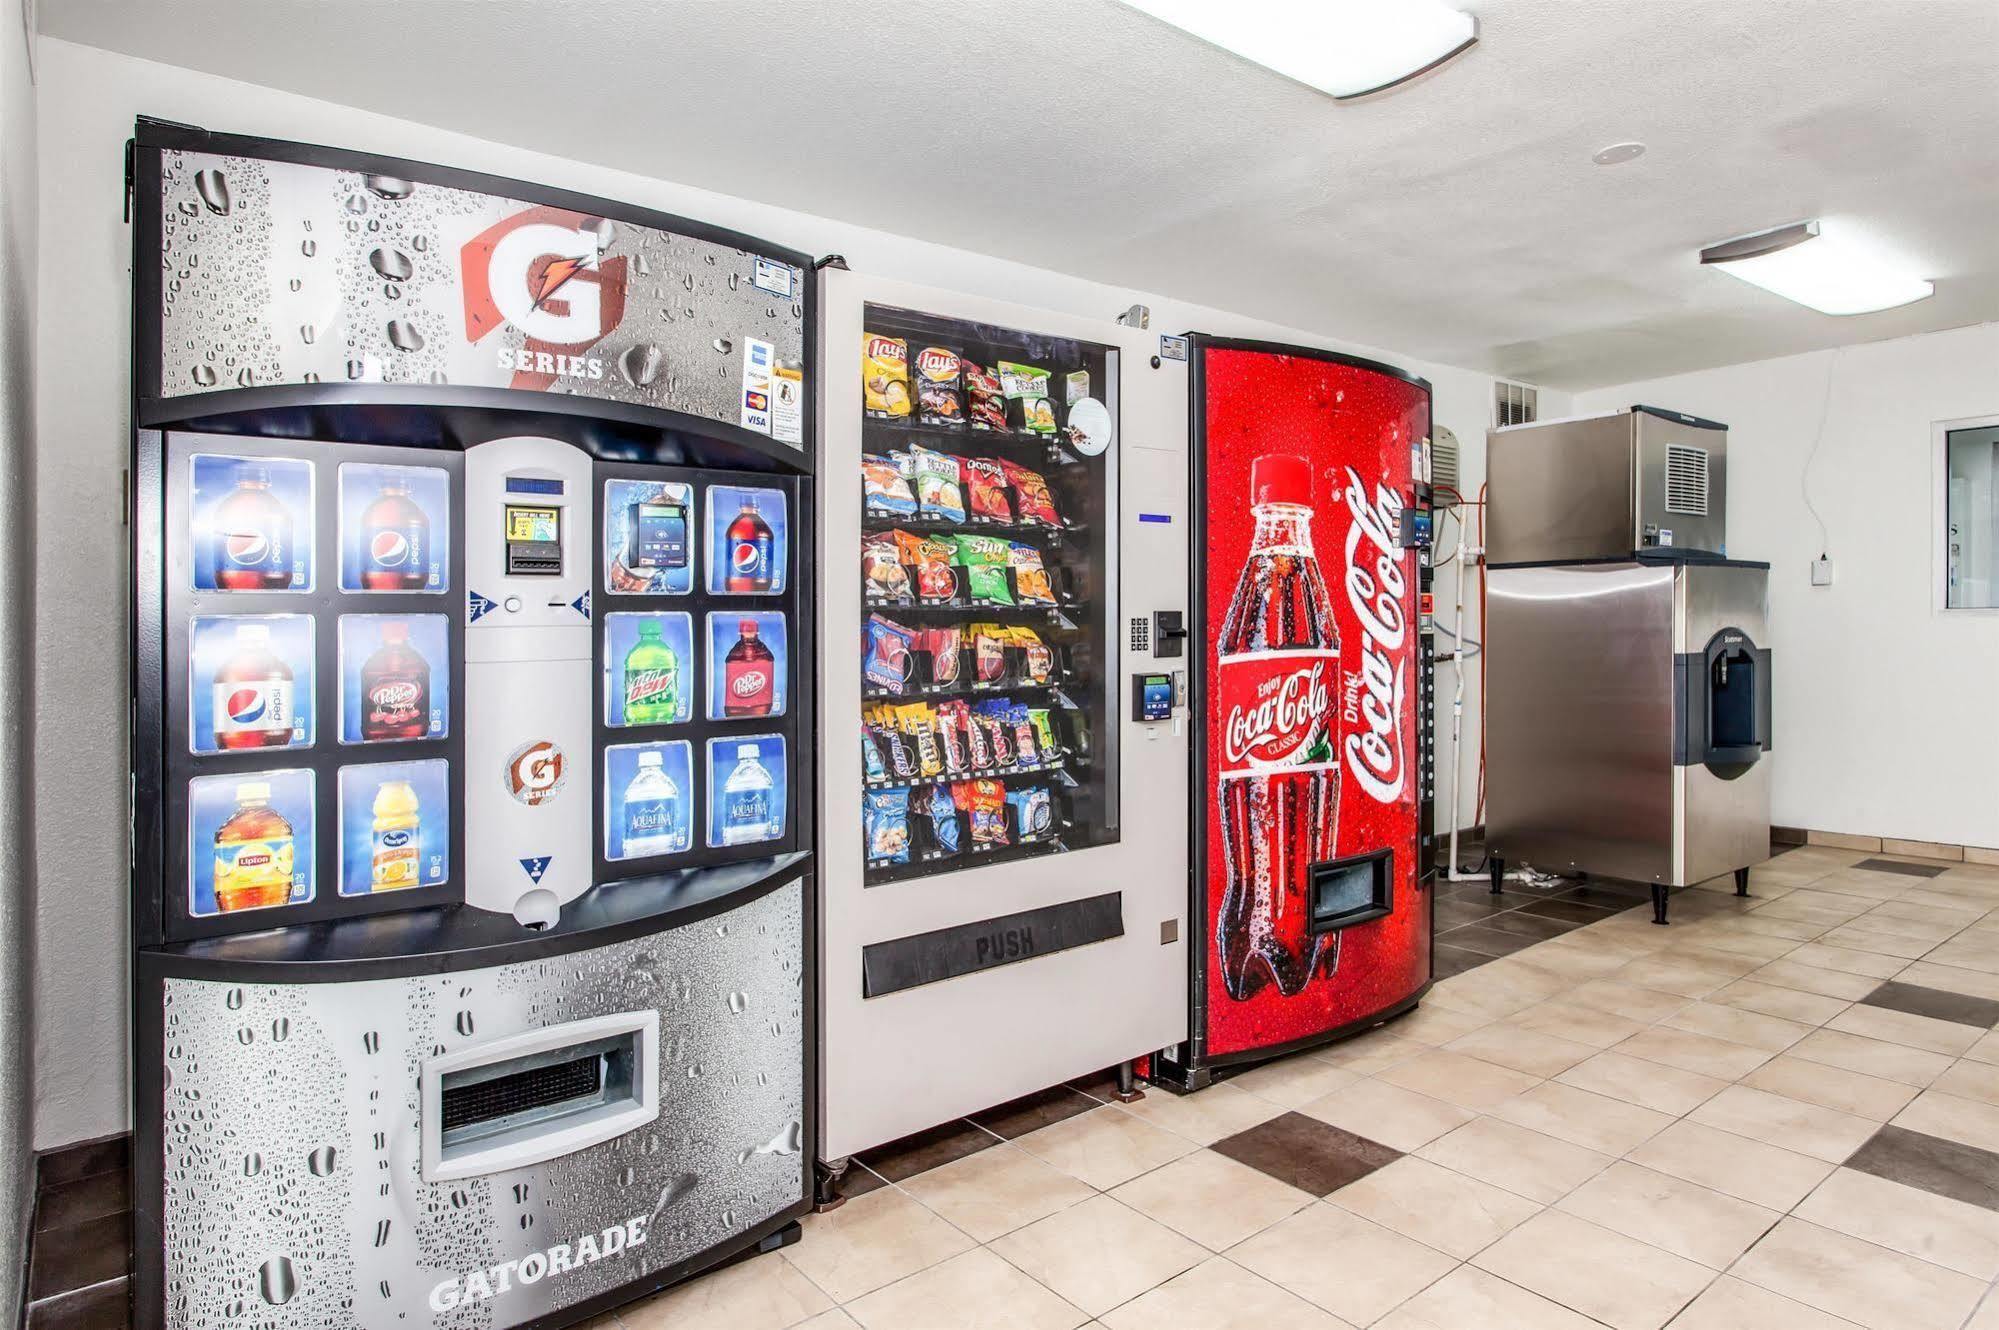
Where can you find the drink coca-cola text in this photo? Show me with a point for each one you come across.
(1374, 755)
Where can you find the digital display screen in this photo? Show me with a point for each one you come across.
(539, 526)
(658, 536)
(533, 485)
(1152, 697)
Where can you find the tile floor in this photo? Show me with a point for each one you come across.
(1779, 1113)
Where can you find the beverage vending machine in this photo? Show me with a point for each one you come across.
(1311, 859)
(472, 880)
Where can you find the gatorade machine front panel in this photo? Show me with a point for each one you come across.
(1312, 911)
(472, 880)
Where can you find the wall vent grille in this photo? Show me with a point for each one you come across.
(1686, 480)
(1515, 404)
(1444, 465)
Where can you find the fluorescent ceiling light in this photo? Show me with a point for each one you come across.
(1343, 47)
(1832, 272)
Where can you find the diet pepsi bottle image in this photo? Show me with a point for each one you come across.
(749, 801)
(752, 551)
(251, 543)
(652, 810)
(1276, 678)
(395, 540)
(253, 699)
(749, 675)
(395, 689)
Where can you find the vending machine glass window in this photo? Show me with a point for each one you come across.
(989, 587)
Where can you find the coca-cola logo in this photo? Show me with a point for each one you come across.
(1375, 588)
(749, 683)
(1277, 724)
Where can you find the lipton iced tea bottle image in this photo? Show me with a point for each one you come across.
(395, 689)
(252, 696)
(253, 853)
(397, 839)
(395, 540)
(252, 535)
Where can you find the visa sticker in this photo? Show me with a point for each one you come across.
(758, 359)
(772, 276)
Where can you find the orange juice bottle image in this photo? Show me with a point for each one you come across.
(397, 839)
(253, 853)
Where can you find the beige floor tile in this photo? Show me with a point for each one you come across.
(1734, 1165)
(1644, 1005)
(1986, 1049)
(1801, 908)
(1489, 993)
(1220, 1295)
(1812, 979)
(1953, 1118)
(1987, 1315)
(1618, 1280)
(1744, 941)
(1578, 1024)
(1457, 1079)
(1524, 1162)
(1798, 930)
(1879, 941)
(1212, 1199)
(1204, 1118)
(1902, 1027)
(1104, 1146)
(1582, 1118)
(1435, 1206)
(1951, 978)
(1398, 1118)
(1970, 1080)
(1820, 895)
(1470, 1299)
(1770, 1000)
(1294, 1081)
(871, 1241)
(763, 1293)
(996, 1191)
(1688, 1051)
(982, 1291)
(1371, 1052)
(1938, 913)
(1100, 1253)
(1670, 1213)
(1334, 1259)
(1852, 1092)
(1892, 917)
(1773, 1119)
(832, 1320)
(1969, 952)
(1847, 960)
(1771, 1033)
(1648, 1084)
(1871, 1057)
(1918, 1223)
(1871, 1285)
(1570, 959)
(1688, 978)
(1730, 1304)
(1539, 1055)
(1438, 1025)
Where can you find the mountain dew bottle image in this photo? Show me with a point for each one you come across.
(397, 838)
(652, 679)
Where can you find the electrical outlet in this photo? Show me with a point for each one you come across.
(1821, 571)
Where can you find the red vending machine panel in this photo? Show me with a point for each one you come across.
(1313, 918)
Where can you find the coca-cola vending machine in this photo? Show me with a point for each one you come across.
(1310, 861)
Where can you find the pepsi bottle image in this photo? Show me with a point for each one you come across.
(395, 540)
(252, 545)
(752, 551)
(253, 702)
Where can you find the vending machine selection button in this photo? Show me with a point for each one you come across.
(512, 605)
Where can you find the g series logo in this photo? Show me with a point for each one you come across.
(488, 1282)
(543, 271)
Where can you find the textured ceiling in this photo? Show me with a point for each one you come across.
(1457, 218)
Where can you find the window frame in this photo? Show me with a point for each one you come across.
(1940, 432)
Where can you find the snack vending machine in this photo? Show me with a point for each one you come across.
(1004, 738)
(1312, 859)
(472, 825)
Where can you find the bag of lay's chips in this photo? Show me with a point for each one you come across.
(885, 377)
(939, 400)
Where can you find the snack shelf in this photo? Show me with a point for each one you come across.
(926, 863)
(969, 525)
(918, 692)
(1050, 615)
(1059, 770)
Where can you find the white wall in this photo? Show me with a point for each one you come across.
(88, 101)
(18, 216)
(1887, 720)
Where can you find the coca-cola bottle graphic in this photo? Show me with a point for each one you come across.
(395, 689)
(1276, 677)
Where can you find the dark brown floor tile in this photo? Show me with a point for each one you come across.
(1307, 1153)
(1470, 897)
(1610, 895)
(100, 1307)
(93, 1197)
(113, 1154)
(1456, 914)
(1538, 927)
(1487, 941)
(79, 1256)
(1456, 960)
(928, 1149)
(1032, 1112)
(1935, 1003)
(1561, 907)
(1895, 866)
(1948, 1168)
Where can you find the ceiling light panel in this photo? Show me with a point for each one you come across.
(1343, 47)
(1826, 269)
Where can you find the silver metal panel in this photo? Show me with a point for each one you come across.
(290, 1118)
(908, 1060)
(1655, 436)
(1721, 823)
(1561, 490)
(1579, 709)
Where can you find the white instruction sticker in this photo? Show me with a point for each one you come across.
(787, 408)
(774, 277)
